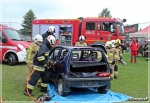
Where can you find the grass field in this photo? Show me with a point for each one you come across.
(132, 80)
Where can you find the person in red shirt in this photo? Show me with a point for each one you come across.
(134, 47)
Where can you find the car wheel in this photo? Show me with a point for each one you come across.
(102, 90)
(61, 87)
(11, 59)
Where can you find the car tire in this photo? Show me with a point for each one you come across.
(11, 59)
(102, 90)
(61, 87)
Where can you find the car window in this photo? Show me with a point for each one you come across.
(55, 54)
(1, 35)
(64, 53)
(86, 55)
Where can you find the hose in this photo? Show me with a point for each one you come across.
(28, 91)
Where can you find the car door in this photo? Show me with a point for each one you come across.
(54, 56)
(3, 46)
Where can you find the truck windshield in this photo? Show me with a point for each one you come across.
(12, 34)
(121, 29)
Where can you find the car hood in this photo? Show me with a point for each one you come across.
(23, 43)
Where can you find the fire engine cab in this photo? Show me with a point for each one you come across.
(96, 30)
(12, 47)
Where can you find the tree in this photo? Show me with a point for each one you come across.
(27, 23)
(105, 13)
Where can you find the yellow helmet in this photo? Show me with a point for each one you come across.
(108, 43)
(117, 41)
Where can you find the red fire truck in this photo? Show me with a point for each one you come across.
(96, 30)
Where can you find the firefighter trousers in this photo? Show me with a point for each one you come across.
(45, 76)
(111, 70)
(30, 69)
(147, 56)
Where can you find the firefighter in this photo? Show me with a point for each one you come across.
(32, 50)
(81, 41)
(112, 57)
(50, 31)
(134, 47)
(116, 44)
(147, 49)
(41, 66)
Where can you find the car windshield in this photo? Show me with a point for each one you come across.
(12, 34)
(121, 29)
(86, 55)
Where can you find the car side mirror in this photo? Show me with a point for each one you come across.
(4, 39)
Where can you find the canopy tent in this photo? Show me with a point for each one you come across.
(142, 33)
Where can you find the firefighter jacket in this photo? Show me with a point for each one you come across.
(31, 52)
(42, 56)
(45, 35)
(112, 55)
(80, 44)
(119, 50)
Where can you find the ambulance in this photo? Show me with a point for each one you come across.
(12, 47)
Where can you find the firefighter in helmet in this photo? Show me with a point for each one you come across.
(32, 50)
(50, 31)
(112, 56)
(41, 65)
(81, 41)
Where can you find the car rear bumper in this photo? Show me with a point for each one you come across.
(86, 82)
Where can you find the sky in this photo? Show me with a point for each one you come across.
(135, 11)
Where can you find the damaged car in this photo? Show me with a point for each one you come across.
(79, 67)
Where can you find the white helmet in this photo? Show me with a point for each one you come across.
(108, 43)
(82, 38)
(51, 39)
(38, 38)
(51, 29)
(113, 43)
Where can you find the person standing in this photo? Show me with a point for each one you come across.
(112, 57)
(31, 52)
(134, 47)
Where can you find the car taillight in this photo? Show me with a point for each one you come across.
(103, 74)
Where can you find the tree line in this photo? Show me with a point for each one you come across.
(29, 16)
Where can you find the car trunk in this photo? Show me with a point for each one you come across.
(88, 69)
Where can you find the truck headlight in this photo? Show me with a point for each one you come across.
(22, 48)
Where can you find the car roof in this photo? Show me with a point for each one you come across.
(74, 47)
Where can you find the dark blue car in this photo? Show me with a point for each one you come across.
(79, 67)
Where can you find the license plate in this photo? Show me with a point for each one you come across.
(90, 83)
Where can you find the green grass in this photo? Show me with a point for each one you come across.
(132, 80)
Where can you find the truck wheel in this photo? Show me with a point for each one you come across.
(102, 90)
(61, 87)
(11, 59)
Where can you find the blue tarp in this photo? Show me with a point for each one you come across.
(86, 96)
